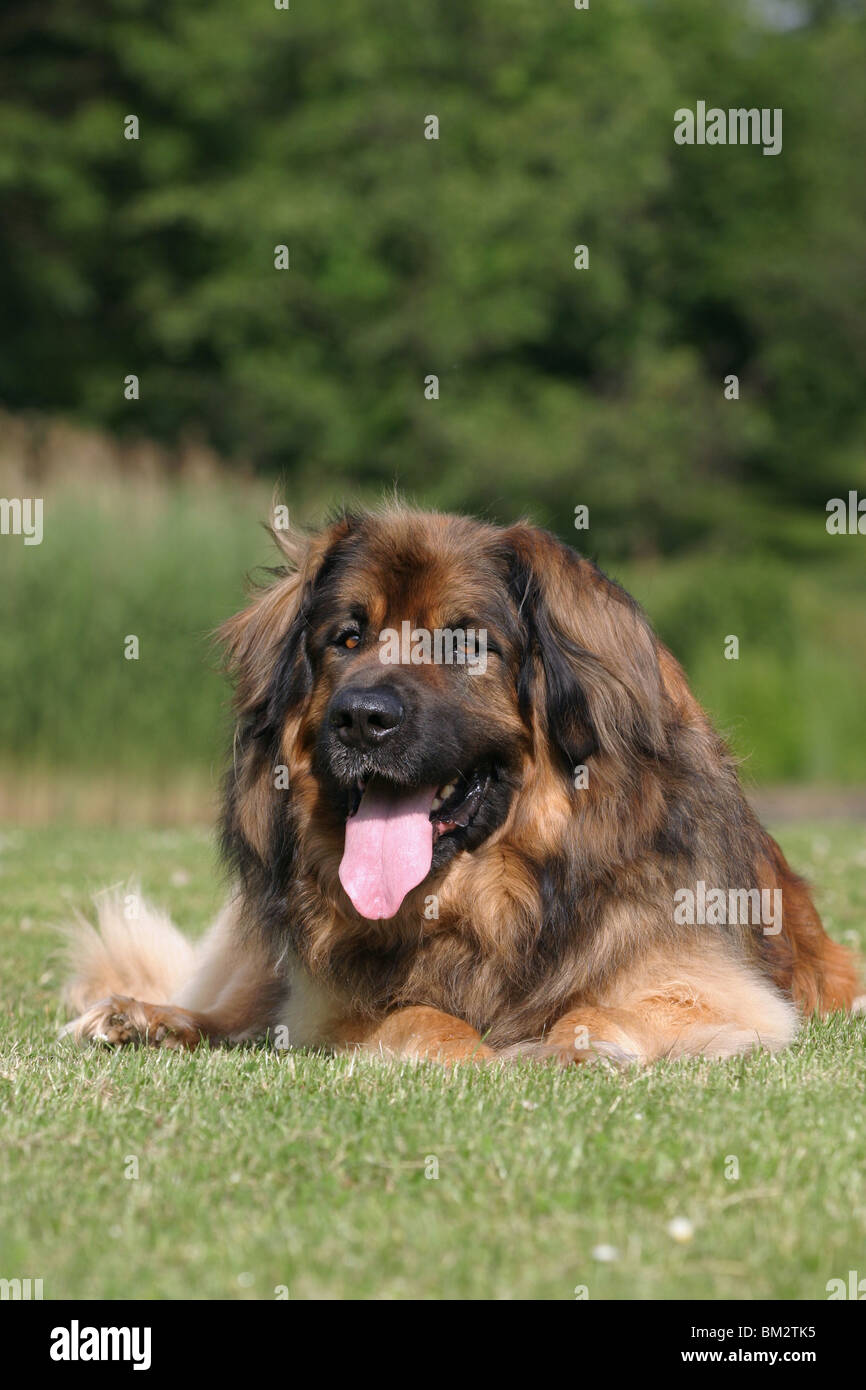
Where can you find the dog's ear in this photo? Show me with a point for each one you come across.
(266, 654)
(590, 667)
(265, 644)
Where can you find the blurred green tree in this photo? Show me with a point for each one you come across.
(454, 257)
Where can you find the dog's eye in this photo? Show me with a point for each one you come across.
(476, 637)
(349, 639)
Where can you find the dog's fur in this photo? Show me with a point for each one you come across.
(555, 934)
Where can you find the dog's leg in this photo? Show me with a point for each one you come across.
(589, 1033)
(711, 1007)
(119, 1020)
(233, 993)
(422, 1032)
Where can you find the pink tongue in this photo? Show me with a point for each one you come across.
(388, 849)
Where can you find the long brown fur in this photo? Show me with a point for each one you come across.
(556, 934)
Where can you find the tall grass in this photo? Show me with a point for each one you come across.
(792, 703)
(162, 564)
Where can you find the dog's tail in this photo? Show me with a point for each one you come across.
(134, 950)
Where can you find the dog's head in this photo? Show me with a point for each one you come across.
(397, 682)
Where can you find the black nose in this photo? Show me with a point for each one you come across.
(365, 718)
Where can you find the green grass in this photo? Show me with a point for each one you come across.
(259, 1169)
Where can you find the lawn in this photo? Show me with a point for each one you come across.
(259, 1171)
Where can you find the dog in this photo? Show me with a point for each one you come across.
(435, 860)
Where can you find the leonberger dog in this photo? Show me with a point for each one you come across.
(547, 854)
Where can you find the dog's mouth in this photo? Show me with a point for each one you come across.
(453, 806)
(391, 833)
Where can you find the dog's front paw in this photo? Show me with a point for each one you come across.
(119, 1021)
